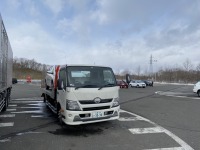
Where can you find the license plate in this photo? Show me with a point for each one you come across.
(97, 114)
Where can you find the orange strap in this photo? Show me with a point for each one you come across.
(56, 77)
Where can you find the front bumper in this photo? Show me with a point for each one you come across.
(85, 117)
(195, 90)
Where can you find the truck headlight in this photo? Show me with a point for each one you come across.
(115, 102)
(72, 105)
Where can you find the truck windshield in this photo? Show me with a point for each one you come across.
(90, 77)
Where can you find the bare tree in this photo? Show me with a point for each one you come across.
(187, 65)
(198, 67)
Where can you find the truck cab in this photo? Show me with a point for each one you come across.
(86, 94)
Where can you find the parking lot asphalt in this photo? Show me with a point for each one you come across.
(148, 120)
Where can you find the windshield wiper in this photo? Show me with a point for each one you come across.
(85, 86)
(107, 85)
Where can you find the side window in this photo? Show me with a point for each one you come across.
(53, 70)
(62, 77)
(108, 76)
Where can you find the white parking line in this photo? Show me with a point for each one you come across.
(37, 104)
(12, 105)
(31, 107)
(29, 132)
(170, 95)
(146, 130)
(32, 98)
(9, 124)
(7, 116)
(5, 140)
(38, 116)
(28, 112)
(182, 96)
(183, 144)
(18, 102)
(171, 148)
(10, 109)
(129, 119)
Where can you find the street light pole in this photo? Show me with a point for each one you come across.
(155, 61)
(151, 67)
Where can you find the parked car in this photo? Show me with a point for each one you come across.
(14, 80)
(137, 83)
(122, 84)
(148, 82)
(196, 88)
(50, 77)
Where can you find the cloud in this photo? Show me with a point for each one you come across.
(55, 6)
(14, 4)
(120, 34)
(29, 40)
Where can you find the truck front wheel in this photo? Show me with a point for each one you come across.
(59, 115)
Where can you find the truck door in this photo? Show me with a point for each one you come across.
(61, 93)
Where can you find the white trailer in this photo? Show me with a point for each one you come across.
(6, 67)
(83, 94)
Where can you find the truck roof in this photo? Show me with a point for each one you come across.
(83, 65)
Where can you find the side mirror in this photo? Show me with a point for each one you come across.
(49, 72)
(59, 85)
(128, 78)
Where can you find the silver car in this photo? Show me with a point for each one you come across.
(137, 83)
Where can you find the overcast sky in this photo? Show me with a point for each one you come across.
(121, 34)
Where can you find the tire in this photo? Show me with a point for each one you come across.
(44, 98)
(198, 93)
(6, 102)
(137, 86)
(47, 87)
(59, 115)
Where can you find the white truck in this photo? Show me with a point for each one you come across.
(6, 60)
(83, 94)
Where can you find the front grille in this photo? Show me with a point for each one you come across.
(92, 101)
(96, 108)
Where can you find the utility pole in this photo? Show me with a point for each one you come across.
(151, 66)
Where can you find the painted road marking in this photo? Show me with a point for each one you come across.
(7, 116)
(129, 119)
(5, 140)
(38, 116)
(37, 104)
(183, 144)
(30, 107)
(29, 132)
(9, 124)
(12, 105)
(170, 95)
(146, 130)
(171, 148)
(28, 112)
(122, 111)
(32, 98)
(26, 102)
(10, 109)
